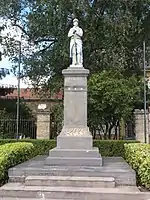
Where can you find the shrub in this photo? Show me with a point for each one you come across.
(135, 153)
(144, 172)
(41, 146)
(112, 147)
(13, 154)
(138, 156)
(106, 147)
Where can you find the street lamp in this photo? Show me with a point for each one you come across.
(18, 89)
(145, 99)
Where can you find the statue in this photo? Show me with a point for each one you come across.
(75, 33)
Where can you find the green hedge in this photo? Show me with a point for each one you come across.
(112, 147)
(42, 146)
(13, 154)
(138, 156)
(106, 147)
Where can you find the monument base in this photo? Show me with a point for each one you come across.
(74, 151)
(74, 142)
(74, 157)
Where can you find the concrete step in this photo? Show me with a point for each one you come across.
(73, 181)
(56, 152)
(73, 161)
(13, 198)
(19, 190)
(122, 176)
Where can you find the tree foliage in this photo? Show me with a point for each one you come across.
(56, 119)
(3, 71)
(111, 98)
(113, 34)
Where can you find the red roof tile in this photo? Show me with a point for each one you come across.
(30, 94)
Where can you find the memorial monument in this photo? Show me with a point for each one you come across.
(75, 144)
(73, 170)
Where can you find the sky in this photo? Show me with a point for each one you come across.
(5, 63)
(15, 33)
(10, 79)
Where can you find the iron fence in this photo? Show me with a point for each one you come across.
(130, 130)
(8, 128)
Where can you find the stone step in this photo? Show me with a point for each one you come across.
(56, 152)
(122, 176)
(13, 198)
(73, 181)
(73, 161)
(19, 190)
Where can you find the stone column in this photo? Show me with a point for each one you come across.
(75, 133)
(74, 143)
(139, 125)
(43, 125)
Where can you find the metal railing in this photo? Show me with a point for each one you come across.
(26, 128)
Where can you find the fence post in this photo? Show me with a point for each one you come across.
(139, 125)
(43, 123)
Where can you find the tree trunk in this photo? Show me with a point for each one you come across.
(109, 131)
(100, 137)
(94, 133)
(106, 131)
(116, 130)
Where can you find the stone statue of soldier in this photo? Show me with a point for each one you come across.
(76, 33)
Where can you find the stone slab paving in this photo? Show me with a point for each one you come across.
(13, 198)
(20, 190)
(114, 163)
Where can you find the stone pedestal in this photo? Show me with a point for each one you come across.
(75, 136)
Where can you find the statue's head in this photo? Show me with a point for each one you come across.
(75, 22)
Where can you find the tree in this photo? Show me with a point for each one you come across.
(57, 115)
(113, 35)
(111, 98)
(3, 72)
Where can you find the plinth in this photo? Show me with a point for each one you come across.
(75, 143)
